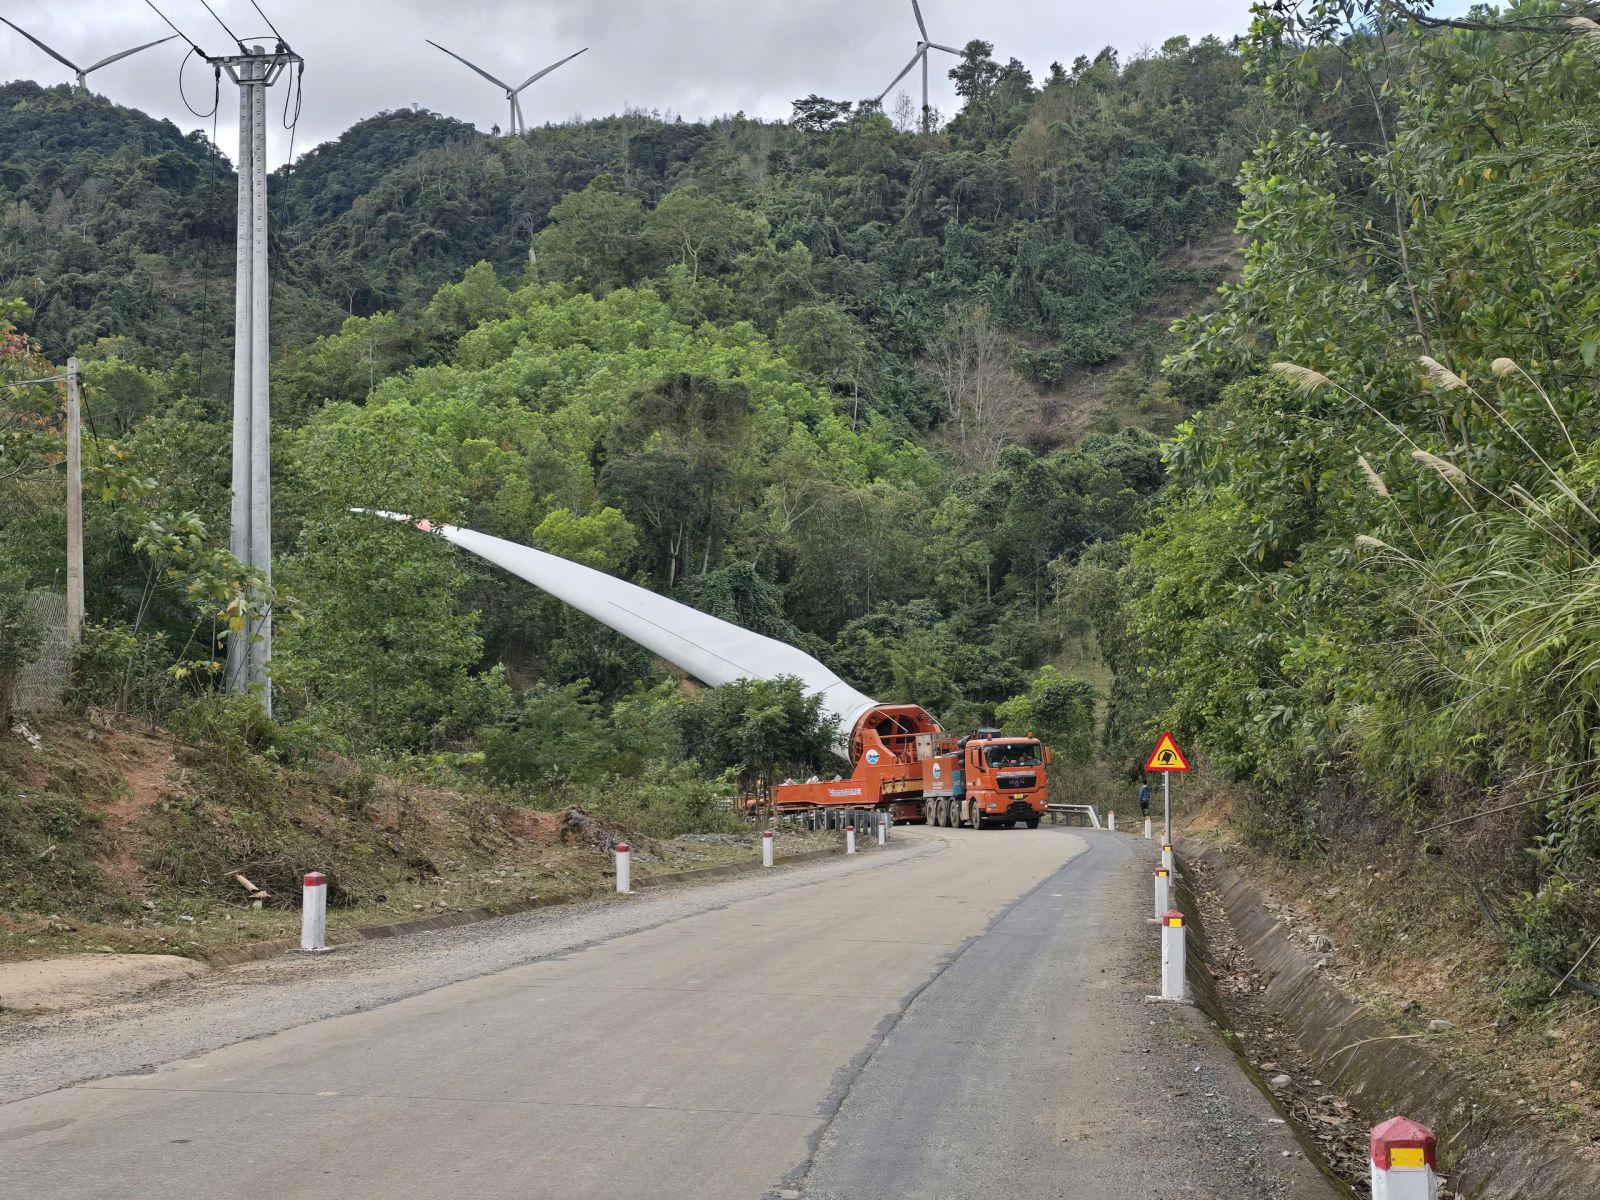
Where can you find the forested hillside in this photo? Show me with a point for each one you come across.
(805, 375)
(1368, 593)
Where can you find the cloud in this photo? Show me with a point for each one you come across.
(696, 58)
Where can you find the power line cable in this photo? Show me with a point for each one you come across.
(225, 28)
(281, 40)
(176, 30)
(17, 383)
(216, 88)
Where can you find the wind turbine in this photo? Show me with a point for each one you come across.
(83, 72)
(921, 56)
(517, 123)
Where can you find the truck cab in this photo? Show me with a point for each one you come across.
(1004, 777)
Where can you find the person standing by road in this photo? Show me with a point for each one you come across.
(1144, 799)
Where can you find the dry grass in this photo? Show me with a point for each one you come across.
(1411, 943)
(145, 835)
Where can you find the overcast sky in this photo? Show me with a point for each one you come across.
(699, 58)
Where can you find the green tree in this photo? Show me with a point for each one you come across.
(593, 239)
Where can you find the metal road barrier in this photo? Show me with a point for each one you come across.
(1087, 811)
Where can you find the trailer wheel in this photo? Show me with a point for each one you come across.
(941, 809)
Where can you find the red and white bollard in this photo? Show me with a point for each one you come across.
(1163, 890)
(883, 828)
(1147, 829)
(314, 912)
(766, 847)
(624, 868)
(1404, 1158)
(1166, 857)
(1111, 821)
(1172, 955)
(849, 839)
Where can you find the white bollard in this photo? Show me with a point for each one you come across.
(624, 868)
(1172, 955)
(1147, 829)
(766, 847)
(314, 912)
(1111, 821)
(883, 828)
(849, 839)
(1166, 857)
(1404, 1157)
(1163, 887)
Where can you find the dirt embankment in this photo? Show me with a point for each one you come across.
(119, 838)
(1368, 982)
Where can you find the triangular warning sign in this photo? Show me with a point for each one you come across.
(1166, 756)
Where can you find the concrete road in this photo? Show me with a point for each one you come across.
(963, 1023)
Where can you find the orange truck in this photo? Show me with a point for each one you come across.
(907, 765)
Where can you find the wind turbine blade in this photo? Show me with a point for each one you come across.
(497, 82)
(712, 650)
(538, 75)
(921, 24)
(904, 71)
(522, 122)
(63, 61)
(106, 62)
(947, 49)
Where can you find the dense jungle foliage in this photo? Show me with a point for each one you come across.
(1369, 593)
(806, 375)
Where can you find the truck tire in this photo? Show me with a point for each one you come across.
(1033, 822)
(941, 813)
(977, 817)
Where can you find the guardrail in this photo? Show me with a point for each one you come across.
(1087, 811)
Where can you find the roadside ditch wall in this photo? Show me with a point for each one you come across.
(1488, 1150)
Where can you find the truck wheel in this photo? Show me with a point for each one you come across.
(977, 817)
(1033, 822)
(941, 813)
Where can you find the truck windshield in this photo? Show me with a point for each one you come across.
(1015, 754)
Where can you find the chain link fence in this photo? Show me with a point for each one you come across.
(42, 683)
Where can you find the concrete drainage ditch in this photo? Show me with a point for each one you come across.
(1487, 1150)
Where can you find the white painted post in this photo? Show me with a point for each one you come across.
(1111, 821)
(849, 839)
(1163, 888)
(766, 847)
(624, 868)
(1166, 856)
(1172, 955)
(883, 828)
(1147, 829)
(1404, 1157)
(314, 912)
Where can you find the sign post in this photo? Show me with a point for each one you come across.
(1167, 758)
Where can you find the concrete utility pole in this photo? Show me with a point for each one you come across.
(74, 506)
(250, 537)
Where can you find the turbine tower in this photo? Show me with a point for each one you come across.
(923, 46)
(518, 125)
(84, 72)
